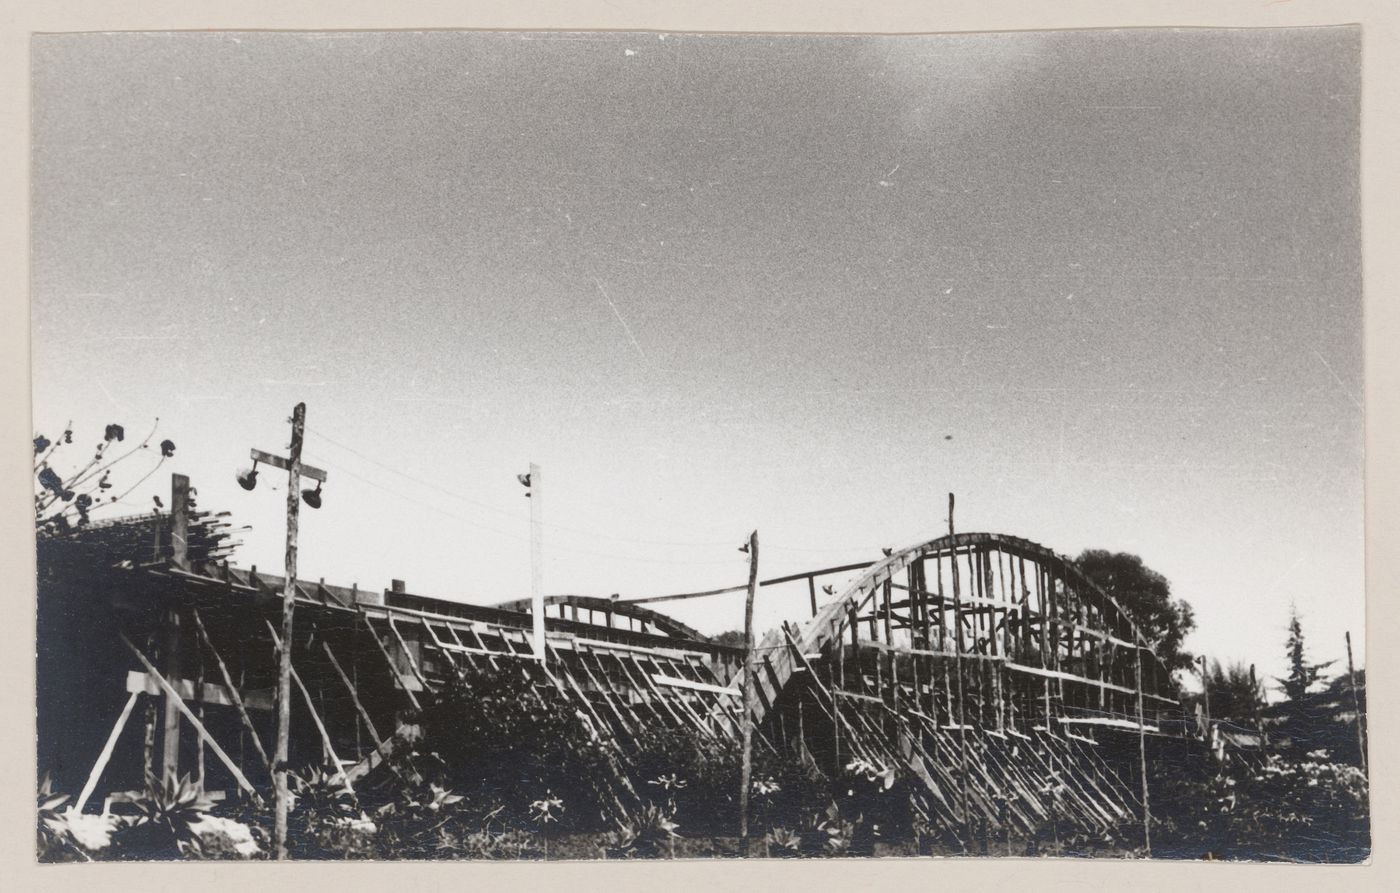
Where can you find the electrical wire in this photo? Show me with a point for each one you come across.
(491, 508)
(511, 536)
(577, 530)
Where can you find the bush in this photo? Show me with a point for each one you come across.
(1309, 809)
(502, 745)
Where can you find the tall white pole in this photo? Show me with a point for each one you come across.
(537, 559)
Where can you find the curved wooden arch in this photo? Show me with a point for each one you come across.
(786, 649)
(863, 588)
(661, 622)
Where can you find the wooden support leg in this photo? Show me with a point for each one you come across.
(106, 753)
(170, 729)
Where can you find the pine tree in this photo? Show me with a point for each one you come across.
(1301, 673)
(1306, 722)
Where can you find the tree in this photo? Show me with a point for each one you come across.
(1234, 693)
(63, 502)
(733, 638)
(1301, 673)
(1146, 596)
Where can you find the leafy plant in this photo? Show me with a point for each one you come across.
(643, 836)
(321, 794)
(60, 838)
(165, 815)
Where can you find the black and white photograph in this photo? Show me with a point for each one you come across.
(568, 445)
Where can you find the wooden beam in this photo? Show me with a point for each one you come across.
(696, 686)
(234, 696)
(309, 471)
(138, 682)
(729, 589)
(746, 729)
(403, 736)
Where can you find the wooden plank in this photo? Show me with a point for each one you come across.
(403, 736)
(790, 578)
(310, 471)
(696, 686)
(138, 682)
(1107, 722)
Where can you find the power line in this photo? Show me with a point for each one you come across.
(478, 525)
(491, 508)
(578, 530)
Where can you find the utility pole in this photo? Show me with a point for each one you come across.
(1356, 702)
(746, 767)
(958, 666)
(1205, 693)
(179, 558)
(1142, 748)
(537, 561)
(295, 470)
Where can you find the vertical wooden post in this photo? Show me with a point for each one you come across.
(1254, 706)
(180, 521)
(537, 560)
(1142, 757)
(284, 670)
(958, 664)
(1205, 693)
(148, 739)
(812, 593)
(199, 712)
(170, 728)
(746, 766)
(179, 557)
(1356, 702)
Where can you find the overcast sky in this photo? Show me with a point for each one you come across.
(1105, 286)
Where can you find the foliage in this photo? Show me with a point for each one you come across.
(511, 843)
(1146, 596)
(1302, 674)
(167, 813)
(825, 833)
(505, 744)
(320, 793)
(64, 501)
(65, 835)
(644, 836)
(1310, 809)
(731, 638)
(1233, 692)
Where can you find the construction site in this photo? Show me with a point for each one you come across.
(979, 678)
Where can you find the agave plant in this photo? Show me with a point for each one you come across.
(52, 821)
(321, 794)
(644, 836)
(787, 841)
(165, 815)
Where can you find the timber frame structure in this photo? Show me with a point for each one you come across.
(986, 670)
